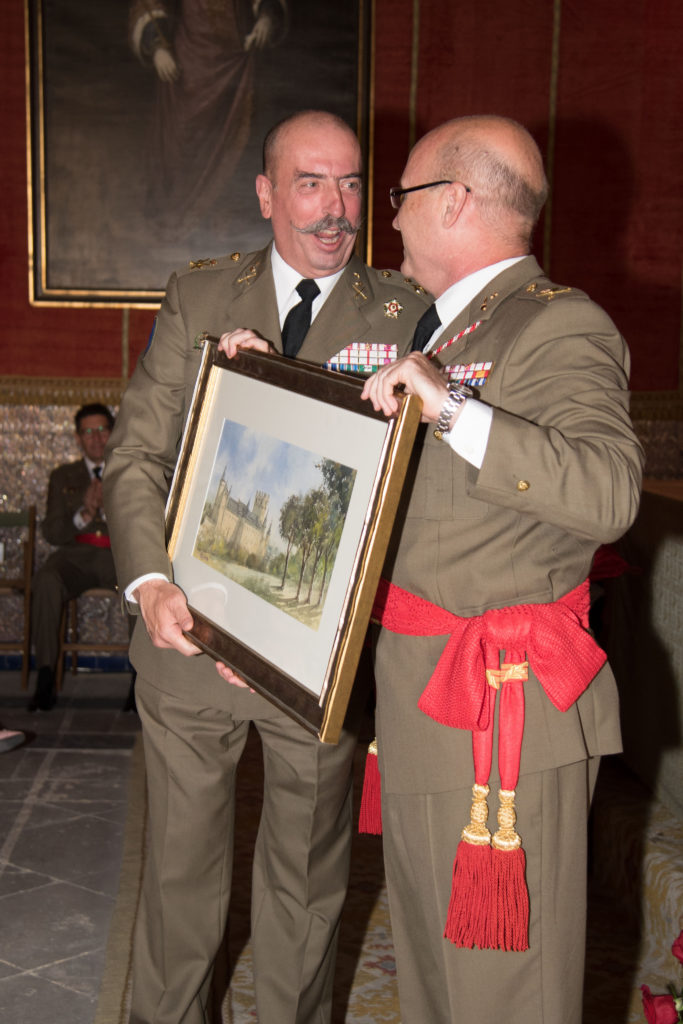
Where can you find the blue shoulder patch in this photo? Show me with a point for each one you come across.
(151, 336)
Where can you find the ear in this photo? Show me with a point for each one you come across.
(455, 197)
(264, 190)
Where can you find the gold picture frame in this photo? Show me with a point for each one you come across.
(133, 172)
(278, 521)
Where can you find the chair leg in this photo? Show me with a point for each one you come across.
(73, 632)
(59, 667)
(69, 642)
(26, 653)
(25, 665)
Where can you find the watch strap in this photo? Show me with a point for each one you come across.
(457, 396)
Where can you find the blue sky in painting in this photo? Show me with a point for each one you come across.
(254, 461)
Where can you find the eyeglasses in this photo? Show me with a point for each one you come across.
(89, 431)
(396, 194)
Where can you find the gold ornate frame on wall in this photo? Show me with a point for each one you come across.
(92, 239)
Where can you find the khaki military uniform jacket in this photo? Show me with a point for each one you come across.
(218, 296)
(560, 476)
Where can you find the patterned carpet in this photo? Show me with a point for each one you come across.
(365, 990)
(365, 986)
(636, 906)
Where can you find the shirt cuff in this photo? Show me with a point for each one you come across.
(470, 434)
(128, 593)
(79, 521)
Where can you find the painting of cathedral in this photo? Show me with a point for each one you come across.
(234, 529)
(272, 519)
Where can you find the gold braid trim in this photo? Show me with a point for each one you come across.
(506, 838)
(507, 671)
(476, 832)
(61, 390)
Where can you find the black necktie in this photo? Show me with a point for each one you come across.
(97, 472)
(299, 318)
(426, 325)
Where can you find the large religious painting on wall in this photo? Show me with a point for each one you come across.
(146, 125)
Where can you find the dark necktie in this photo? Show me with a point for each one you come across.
(426, 325)
(298, 319)
(97, 472)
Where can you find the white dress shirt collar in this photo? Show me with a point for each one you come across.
(286, 279)
(452, 302)
(90, 465)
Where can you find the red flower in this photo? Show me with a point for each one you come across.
(677, 948)
(658, 1009)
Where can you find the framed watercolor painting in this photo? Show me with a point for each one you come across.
(278, 521)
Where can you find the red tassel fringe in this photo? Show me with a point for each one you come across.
(468, 921)
(370, 817)
(489, 905)
(511, 899)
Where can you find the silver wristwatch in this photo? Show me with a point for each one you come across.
(457, 394)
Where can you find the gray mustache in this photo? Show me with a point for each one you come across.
(330, 223)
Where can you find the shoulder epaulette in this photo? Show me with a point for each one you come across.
(200, 264)
(543, 293)
(397, 279)
(417, 288)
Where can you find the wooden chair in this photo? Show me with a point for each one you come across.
(71, 644)
(18, 581)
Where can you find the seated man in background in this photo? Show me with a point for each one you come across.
(74, 522)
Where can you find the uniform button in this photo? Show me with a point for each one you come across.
(523, 485)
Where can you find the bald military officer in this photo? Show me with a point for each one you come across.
(528, 462)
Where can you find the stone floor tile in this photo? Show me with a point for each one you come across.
(36, 814)
(79, 973)
(85, 851)
(7, 970)
(14, 879)
(31, 999)
(51, 923)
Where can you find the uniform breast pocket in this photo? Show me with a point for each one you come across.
(439, 489)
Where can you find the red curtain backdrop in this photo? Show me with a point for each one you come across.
(611, 135)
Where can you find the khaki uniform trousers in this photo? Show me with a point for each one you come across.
(300, 868)
(441, 984)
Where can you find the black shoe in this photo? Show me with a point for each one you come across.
(44, 698)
